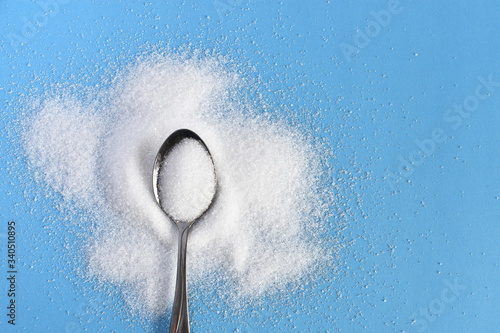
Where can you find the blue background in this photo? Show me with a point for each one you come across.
(405, 239)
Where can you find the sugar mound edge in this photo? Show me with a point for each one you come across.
(258, 238)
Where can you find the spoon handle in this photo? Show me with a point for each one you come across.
(180, 316)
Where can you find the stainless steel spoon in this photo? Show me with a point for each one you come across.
(180, 317)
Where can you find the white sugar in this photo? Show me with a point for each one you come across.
(186, 181)
(260, 235)
(62, 143)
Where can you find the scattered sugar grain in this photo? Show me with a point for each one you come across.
(61, 143)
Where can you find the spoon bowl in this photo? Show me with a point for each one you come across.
(180, 316)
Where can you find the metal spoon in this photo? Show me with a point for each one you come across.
(180, 317)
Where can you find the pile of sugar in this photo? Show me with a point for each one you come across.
(186, 184)
(259, 237)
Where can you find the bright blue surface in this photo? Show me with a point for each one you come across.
(437, 224)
